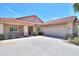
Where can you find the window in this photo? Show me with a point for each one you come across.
(13, 28)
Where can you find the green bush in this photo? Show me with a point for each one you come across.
(69, 36)
(2, 37)
(40, 33)
(75, 40)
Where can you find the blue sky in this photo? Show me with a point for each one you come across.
(45, 11)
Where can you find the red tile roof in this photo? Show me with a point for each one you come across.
(25, 17)
(60, 21)
(23, 22)
(15, 21)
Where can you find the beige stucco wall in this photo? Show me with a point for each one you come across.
(70, 28)
(1, 29)
(23, 30)
(7, 29)
(34, 29)
(58, 30)
(26, 31)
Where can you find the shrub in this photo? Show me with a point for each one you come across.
(77, 41)
(69, 36)
(2, 37)
(40, 33)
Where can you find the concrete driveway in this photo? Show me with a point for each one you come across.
(37, 46)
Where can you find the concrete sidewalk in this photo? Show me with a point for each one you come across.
(37, 46)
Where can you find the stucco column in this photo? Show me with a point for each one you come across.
(26, 31)
(1, 29)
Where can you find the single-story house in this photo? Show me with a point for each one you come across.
(61, 28)
(18, 27)
(29, 25)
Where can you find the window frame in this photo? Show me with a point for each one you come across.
(13, 29)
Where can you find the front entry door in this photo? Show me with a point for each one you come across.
(30, 30)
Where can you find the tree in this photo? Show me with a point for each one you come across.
(76, 7)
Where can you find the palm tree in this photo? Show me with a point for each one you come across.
(76, 7)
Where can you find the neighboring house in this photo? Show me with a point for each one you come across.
(13, 27)
(60, 28)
